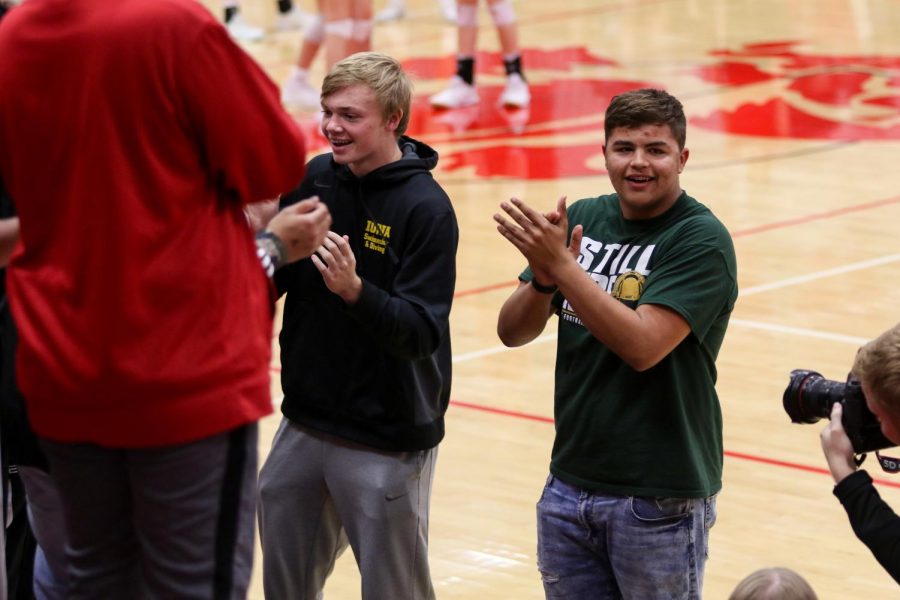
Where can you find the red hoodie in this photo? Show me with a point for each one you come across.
(132, 133)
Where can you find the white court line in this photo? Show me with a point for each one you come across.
(758, 289)
(498, 349)
(858, 266)
(799, 331)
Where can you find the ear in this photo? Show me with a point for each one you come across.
(393, 121)
(683, 159)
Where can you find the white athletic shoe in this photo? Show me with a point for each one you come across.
(292, 19)
(448, 10)
(516, 119)
(297, 91)
(243, 31)
(516, 92)
(458, 94)
(458, 120)
(391, 12)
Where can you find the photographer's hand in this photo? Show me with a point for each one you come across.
(837, 447)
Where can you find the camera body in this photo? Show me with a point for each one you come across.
(809, 397)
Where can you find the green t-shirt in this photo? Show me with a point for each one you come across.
(655, 433)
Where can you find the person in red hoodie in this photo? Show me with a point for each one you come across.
(132, 136)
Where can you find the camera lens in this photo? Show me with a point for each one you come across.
(809, 396)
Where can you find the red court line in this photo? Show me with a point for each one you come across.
(502, 412)
(487, 288)
(815, 217)
(728, 453)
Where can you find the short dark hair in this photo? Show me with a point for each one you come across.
(646, 107)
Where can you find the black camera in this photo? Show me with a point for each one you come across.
(809, 397)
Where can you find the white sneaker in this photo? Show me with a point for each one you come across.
(391, 12)
(458, 94)
(448, 10)
(243, 31)
(292, 19)
(458, 120)
(516, 119)
(297, 91)
(516, 92)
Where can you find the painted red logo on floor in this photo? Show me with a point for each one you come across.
(488, 140)
(561, 134)
(804, 96)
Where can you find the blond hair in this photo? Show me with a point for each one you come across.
(877, 365)
(380, 72)
(774, 583)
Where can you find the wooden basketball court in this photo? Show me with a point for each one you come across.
(794, 133)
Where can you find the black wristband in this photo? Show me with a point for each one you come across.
(544, 289)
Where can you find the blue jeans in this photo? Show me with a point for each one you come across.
(593, 545)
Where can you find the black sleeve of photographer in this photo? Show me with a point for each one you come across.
(873, 521)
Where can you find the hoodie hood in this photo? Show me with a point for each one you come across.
(417, 157)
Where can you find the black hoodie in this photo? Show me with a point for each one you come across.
(378, 372)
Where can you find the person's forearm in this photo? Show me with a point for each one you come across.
(638, 337)
(524, 315)
(260, 213)
(840, 465)
(873, 521)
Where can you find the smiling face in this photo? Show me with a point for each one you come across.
(644, 164)
(360, 137)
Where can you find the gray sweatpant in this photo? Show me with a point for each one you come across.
(318, 493)
(167, 522)
(45, 516)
